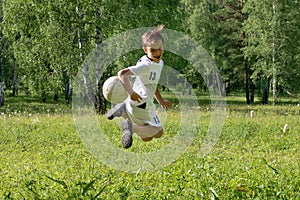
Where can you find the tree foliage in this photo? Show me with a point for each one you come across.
(272, 47)
(44, 43)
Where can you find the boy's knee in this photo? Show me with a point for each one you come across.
(147, 139)
(159, 134)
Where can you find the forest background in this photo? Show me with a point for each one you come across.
(255, 46)
(255, 43)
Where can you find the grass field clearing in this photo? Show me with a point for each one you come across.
(42, 157)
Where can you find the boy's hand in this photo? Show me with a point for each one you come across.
(165, 104)
(136, 97)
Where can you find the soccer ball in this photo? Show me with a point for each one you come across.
(114, 91)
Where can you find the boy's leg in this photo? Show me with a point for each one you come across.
(159, 134)
(120, 111)
(147, 139)
(147, 132)
(127, 133)
(116, 111)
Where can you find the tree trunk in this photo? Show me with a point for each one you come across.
(246, 75)
(1, 94)
(67, 92)
(16, 80)
(44, 98)
(56, 96)
(274, 78)
(274, 70)
(265, 90)
(89, 93)
(191, 84)
(184, 86)
(67, 81)
(1, 83)
(100, 100)
(252, 86)
(220, 85)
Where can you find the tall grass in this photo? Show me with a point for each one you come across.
(42, 157)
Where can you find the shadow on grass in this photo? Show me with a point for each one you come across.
(33, 105)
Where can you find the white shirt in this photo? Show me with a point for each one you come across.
(147, 74)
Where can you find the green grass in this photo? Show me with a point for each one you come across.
(43, 157)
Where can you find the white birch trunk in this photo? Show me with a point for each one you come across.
(1, 94)
(16, 80)
(274, 69)
(1, 83)
(85, 69)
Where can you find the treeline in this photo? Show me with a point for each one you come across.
(255, 43)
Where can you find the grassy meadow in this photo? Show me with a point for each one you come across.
(43, 157)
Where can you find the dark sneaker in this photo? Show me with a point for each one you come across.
(127, 133)
(116, 111)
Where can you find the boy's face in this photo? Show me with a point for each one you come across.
(155, 51)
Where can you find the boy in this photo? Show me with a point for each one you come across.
(138, 110)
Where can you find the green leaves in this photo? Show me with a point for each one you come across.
(44, 36)
(268, 36)
(217, 27)
(50, 39)
(267, 49)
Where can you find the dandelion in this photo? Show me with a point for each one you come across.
(285, 128)
(252, 113)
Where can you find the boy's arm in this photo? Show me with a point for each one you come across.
(164, 103)
(123, 76)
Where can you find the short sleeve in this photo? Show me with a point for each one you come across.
(141, 68)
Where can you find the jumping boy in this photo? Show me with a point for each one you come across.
(138, 110)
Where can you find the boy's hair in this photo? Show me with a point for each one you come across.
(152, 36)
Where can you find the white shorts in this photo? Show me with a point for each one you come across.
(142, 113)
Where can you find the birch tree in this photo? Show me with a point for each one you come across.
(217, 26)
(268, 29)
